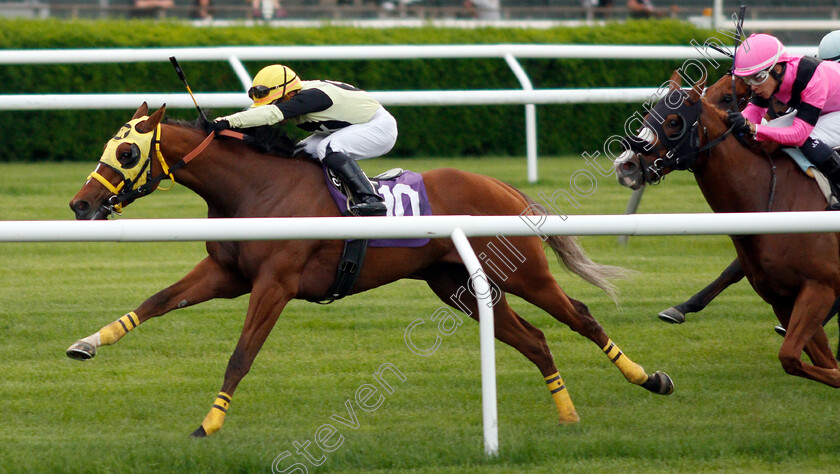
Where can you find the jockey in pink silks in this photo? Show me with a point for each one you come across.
(809, 85)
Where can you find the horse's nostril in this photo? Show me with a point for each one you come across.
(628, 166)
(80, 206)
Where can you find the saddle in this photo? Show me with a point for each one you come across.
(404, 193)
(350, 264)
(830, 190)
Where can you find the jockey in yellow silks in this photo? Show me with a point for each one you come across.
(347, 124)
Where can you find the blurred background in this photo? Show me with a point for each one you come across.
(491, 129)
(793, 21)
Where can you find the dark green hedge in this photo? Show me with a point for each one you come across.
(435, 131)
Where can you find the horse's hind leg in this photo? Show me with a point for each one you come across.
(449, 282)
(658, 382)
(206, 281)
(537, 286)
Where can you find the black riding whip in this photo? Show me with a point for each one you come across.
(183, 77)
(739, 30)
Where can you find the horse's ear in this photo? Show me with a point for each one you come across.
(147, 126)
(675, 82)
(697, 90)
(141, 111)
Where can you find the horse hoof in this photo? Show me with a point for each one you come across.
(81, 350)
(569, 419)
(672, 315)
(199, 433)
(780, 330)
(659, 383)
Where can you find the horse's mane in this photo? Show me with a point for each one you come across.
(760, 148)
(721, 114)
(268, 139)
(198, 124)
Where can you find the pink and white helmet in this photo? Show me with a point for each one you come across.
(758, 53)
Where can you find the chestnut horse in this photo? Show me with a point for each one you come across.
(798, 275)
(721, 95)
(238, 180)
(725, 95)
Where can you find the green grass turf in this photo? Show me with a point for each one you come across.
(131, 408)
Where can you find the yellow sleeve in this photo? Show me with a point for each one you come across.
(255, 117)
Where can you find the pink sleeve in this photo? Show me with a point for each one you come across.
(753, 113)
(817, 91)
(794, 135)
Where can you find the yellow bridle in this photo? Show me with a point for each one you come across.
(141, 143)
(134, 174)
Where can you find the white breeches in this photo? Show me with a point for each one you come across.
(365, 140)
(827, 129)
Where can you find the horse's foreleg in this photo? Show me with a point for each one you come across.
(819, 352)
(266, 304)
(805, 328)
(676, 314)
(206, 281)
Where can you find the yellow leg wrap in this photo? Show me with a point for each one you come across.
(214, 420)
(119, 328)
(633, 372)
(565, 407)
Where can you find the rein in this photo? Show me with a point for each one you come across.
(743, 140)
(167, 172)
(655, 171)
(669, 160)
(124, 193)
(772, 183)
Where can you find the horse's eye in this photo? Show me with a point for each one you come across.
(726, 99)
(675, 126)
(129, 158)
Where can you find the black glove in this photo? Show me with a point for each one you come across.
(218, 126)
(739, 124)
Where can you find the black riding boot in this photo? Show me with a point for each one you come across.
(823, 157)
(368, 203)
(827, 161)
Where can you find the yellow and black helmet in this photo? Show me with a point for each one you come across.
(272, 83)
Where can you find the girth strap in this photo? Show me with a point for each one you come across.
(349, 268)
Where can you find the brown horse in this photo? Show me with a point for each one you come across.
(721, 95)
(237, 180)
(726, 94)
(798, 275)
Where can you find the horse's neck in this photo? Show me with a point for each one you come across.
(731, 177)
(734, 179)
(234, 179)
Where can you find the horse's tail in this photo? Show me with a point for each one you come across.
(571, 254)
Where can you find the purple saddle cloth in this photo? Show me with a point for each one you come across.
(405, 195)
